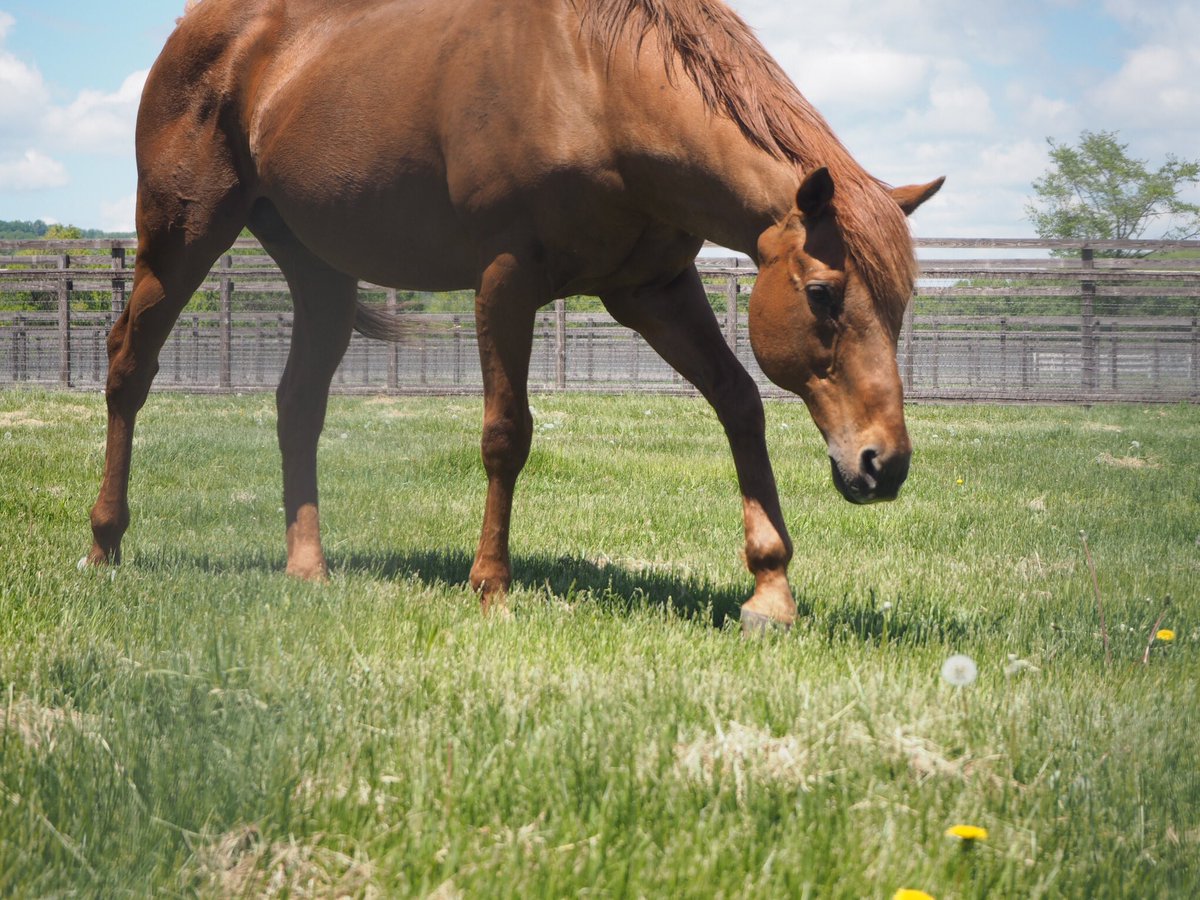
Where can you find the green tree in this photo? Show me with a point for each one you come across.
(63, 233)
(1097, 191)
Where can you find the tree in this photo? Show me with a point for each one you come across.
(1096, 191)
(63, 233)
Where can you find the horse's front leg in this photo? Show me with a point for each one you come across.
(677, 321)
(505, 306)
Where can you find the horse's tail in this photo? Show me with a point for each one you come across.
(373, 322)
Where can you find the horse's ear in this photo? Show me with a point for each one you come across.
(815, 194)
(913, 195)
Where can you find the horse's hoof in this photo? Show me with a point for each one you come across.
(495, 608)
(756, 624)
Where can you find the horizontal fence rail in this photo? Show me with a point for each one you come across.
(991, 319)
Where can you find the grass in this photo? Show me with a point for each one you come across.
(196, 723)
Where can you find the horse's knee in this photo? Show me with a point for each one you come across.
(506, 441)
(739, 405)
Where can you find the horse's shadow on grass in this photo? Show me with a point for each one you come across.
(611, 586)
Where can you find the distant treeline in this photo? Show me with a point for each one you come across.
(39, 230)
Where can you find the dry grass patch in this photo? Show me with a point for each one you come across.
(240, 863)
(40, 727)
(19, 418)
(742, 752)
(1127, 462)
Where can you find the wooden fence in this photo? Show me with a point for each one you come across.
(991, 319)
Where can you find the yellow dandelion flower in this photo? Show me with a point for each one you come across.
(967, 833)
(910, 894)
(959, 481)
(1165, 634)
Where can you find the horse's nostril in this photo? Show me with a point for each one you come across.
(869, 461)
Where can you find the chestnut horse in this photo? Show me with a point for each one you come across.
(531, 151)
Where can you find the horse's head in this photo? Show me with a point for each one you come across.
(821, 329)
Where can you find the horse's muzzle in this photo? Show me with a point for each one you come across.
(873, 476)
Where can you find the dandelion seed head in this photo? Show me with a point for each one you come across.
(960, 670)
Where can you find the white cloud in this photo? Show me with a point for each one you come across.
(119, 214)
(1014, 164)
(849, 70)
(23, 93)
(98, 122)
(32, 171)
(957, 104)
(1154, 89)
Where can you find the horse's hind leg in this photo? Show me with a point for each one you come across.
(505, 308)
(179, 238)
(324, 302)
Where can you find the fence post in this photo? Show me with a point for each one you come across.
(909, 346)
(937, 351)
(393, 368)
(1025, 356)
(458, 350)
(97, 352)
(118, 282)
(1113, 361)
(424, 353)
(64, 322)
(17, 334)
(1004, 351)
(195, 350)
(1087, 289)
(591, 333)
(225, 323)
(260, 350)
(560, 344)
(731, 312)
(1195, 354)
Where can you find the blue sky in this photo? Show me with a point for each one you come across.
(915, 88)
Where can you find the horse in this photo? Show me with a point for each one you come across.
(529, 151)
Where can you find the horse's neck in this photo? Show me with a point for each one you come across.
(696, 170)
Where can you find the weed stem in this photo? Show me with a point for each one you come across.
(1099, 603)
(1154, 629)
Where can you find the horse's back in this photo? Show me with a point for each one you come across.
(398, 135)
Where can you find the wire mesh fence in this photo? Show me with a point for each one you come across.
(999, 320)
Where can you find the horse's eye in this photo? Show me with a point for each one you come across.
(820, 294)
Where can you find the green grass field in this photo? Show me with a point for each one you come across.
(196, 723)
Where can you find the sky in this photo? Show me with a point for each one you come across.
(915, 88)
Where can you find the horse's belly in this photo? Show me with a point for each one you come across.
(404, 236)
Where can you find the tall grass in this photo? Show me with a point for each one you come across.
(195, 722)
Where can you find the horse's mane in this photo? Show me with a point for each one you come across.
(738, 78)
